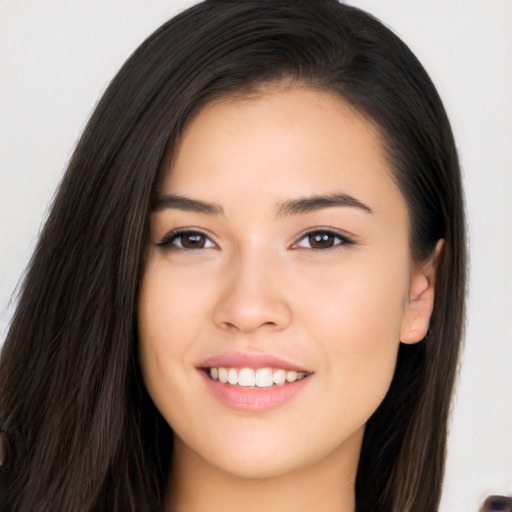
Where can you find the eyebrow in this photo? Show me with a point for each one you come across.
(285, 208)
(187, 204)
(313, 203)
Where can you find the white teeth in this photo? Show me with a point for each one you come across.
(264, 377)
(250, 377)
(279, 377)
(246, 377)
(291, 376)
(223, 375)
(232, 377)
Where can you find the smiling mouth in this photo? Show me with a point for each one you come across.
(255, 378)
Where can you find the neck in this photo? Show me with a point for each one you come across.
(326, 485)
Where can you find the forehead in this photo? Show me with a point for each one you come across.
(279, 142)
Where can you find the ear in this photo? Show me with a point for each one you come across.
(418, 309)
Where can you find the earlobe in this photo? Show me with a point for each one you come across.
(416, 319)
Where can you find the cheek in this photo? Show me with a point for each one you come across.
(168, 321)
(362, 301)
(355, 315)
(170, 307)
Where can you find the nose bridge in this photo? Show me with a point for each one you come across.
(253, 296)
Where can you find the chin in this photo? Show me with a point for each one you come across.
(245, 466)
(261, 455)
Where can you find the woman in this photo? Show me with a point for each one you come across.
(250, 289)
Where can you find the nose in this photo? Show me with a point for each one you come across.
(253, 296)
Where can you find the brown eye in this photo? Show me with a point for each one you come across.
(186, 240)
(192, 241)
(322, 240)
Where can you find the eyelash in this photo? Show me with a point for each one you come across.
(336, 239)
(169, 239)
(332, 235)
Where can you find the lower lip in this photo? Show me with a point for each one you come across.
(254, 399)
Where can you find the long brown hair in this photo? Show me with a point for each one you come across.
(84, 433)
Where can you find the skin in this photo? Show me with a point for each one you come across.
(258, 286)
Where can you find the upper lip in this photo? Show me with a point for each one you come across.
(250, 360)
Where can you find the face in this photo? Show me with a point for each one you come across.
(280, 262)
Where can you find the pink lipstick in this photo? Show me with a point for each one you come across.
(253, 382)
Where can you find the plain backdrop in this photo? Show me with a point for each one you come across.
(57, 56)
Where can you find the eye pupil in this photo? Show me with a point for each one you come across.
(192, 241)
(321, 240)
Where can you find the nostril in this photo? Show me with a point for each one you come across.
(229, 326)
(247, 326)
